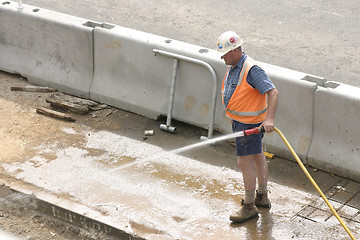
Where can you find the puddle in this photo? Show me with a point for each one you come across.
(208, 187)
(145, 228)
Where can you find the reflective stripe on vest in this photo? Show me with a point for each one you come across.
(260, 103)
(247, 114)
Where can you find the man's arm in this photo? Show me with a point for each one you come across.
(268, 123)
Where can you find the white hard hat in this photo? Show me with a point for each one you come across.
(228, 41)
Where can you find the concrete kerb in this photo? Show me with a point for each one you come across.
(46, 47)
(335, 145)
(67, 211)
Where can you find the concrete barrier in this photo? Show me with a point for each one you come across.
(46, 47)
(294, 115)
(130, 76)
(335, 145)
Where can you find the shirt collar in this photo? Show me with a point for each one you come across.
(242, 60)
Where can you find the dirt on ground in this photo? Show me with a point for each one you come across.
(21, 128)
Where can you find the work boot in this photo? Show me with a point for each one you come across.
(246, 212)
(262, 200)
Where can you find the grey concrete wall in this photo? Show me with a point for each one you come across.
(335, 143)
(46, 47)
(117, 66)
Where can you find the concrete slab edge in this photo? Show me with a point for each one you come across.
(64, 210)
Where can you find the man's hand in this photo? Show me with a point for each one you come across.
(268, 125)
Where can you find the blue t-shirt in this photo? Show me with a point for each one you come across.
(257, 78)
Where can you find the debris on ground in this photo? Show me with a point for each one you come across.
(33, 89)
(55, 114)
(60, 101)
(99, 107)
(109, 113)
(269, 155)
(67, 105)
(149, 132)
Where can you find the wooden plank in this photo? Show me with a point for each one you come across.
(55, 114)
(33, 89)
(72, 107)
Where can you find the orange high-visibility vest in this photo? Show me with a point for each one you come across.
(246, 105)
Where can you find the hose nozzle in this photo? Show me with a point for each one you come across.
(252, 131)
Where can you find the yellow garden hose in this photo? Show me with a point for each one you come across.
(313, 182)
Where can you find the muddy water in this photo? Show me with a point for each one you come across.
(212, 188)
(168, 197)
(116, 162)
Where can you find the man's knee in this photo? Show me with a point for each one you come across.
(245, 161)
(259, 157)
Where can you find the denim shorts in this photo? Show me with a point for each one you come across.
(247, 145)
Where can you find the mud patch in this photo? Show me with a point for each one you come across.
(145, 228)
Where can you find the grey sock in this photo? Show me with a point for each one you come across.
(262, 188)
(249, 197)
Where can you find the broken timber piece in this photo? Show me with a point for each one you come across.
(33, 89)
(99, 107)
(72, 107)
(55, 114)
(72, 99)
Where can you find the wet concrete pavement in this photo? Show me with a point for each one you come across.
(103, 167)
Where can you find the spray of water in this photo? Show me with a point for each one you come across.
(183, 149)
(210, 141)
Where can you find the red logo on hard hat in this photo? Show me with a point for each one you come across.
(232, 40)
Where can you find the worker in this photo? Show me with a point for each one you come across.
(250, 100)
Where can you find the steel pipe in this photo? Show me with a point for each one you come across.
(168, 126)
(19, 6)
(213, 74)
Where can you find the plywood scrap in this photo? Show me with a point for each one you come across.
(33, 89)
(55, 114)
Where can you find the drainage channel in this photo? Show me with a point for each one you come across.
(344, 196)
